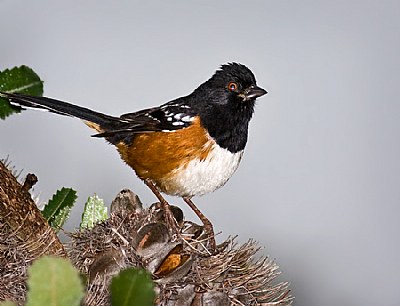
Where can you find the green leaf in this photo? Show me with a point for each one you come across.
(53, 281)
(57, 210)
(132, 287)
(18, 79)
(94, 212)
(59, 219)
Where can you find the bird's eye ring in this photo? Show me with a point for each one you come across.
(232, 86)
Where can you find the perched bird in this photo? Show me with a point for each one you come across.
(187, 147)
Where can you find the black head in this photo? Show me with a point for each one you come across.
(232, 83)
(226, 103)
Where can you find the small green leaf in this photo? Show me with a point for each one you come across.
(59, 219)
(53, 281)
(94, 212)
(58, 208)
(132, 287)
(18, 79)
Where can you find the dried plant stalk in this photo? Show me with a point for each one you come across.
(24, 236)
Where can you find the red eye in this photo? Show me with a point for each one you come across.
(232, 86)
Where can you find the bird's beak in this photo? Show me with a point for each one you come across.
(255, 92)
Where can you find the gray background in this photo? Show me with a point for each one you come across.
(319, 184)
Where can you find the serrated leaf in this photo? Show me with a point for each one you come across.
(58, 208)
(53, 281)
(94, 212)
(132, 287)
(18, 79)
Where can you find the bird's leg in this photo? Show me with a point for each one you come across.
(208, 227)
(169, 217)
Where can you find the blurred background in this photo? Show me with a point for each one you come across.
(319, 183)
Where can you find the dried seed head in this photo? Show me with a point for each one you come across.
(183, 272)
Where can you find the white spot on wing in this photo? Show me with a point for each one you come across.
(178, 116)
(187, 118)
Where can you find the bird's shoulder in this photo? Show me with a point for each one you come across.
(173, 115)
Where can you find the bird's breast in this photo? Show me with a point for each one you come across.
(201, 176)
(186, 162)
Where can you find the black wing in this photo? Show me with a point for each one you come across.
(168, 117)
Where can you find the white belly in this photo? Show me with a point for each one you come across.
(204, 176)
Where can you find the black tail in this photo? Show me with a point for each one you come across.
(102, 122)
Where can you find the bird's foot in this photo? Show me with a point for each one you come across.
(208, 227)
(172, 223)
(169, 217)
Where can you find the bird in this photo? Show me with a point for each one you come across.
(187, 147)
